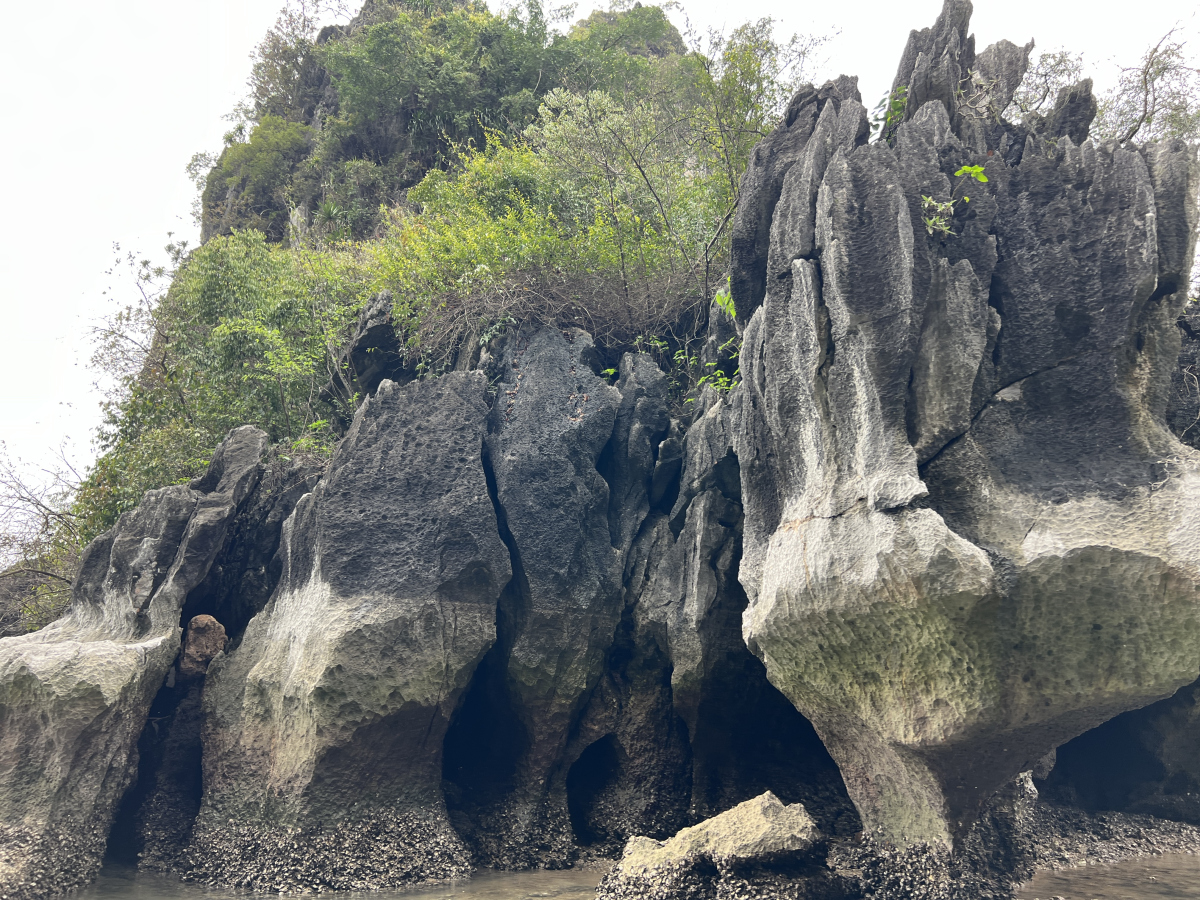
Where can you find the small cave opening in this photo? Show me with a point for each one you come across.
(750, 739)
(155, 816)
(589, 778)
(1142, 761)
(483, 744)
(1102, 769)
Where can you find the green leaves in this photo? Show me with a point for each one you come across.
(251, 179)
(889, 112)
(936, 215)
(975, 172)
(246, 334)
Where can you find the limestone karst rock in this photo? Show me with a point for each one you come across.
(154, 821)
(555, 425)
(324, 726)
(725, 856)
(533, 610)
(75, 695)
(969, 534)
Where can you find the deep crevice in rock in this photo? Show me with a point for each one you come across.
(244, 576)
(486, 737)
(596, 769)
(750, 738)
(155, 817)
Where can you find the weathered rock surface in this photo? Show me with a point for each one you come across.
(204, 639)
(75, 695)
(324, 726)
(244, 575)
(743, 735)
(762, 184)
(760, 848)
(552, 422)
(944, 524)
(757, 828)
(969, 535)
(155, 818)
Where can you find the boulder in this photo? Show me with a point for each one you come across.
(760, 848)
(324, 726)
(74, 696)
(969, 535)
(759, 828)
(204, 639)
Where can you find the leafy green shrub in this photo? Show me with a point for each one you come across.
(250, 183)
(247, 333)
(597, 192)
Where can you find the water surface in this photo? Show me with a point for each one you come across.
(572, 884)
(1168, 877)
(1174, 876)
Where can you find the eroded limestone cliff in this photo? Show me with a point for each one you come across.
(939, 529)
(970, 535)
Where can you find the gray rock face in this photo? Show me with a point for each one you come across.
(684, 610)
(1183, 405)
(762, 183)
(548, 430)
(324, 726)
(75, 695)
(155, 818)
(244, 576)
(723, 855)
(943, 514)
(968, 533)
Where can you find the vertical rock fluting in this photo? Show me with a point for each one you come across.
(744, 737)
(74, 696)
(324, 726)
(969, 535)
(554, 428)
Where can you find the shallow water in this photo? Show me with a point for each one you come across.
(1170, 877)
(579, 884)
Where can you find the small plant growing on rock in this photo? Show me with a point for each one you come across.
(889, 112)
(975, 172)
(937, 214)
(724, 299)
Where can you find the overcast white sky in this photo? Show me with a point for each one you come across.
(106, 103)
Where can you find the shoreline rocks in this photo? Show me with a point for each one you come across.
(75, 695)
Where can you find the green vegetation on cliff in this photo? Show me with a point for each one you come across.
(482, 168)
(486, 169)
